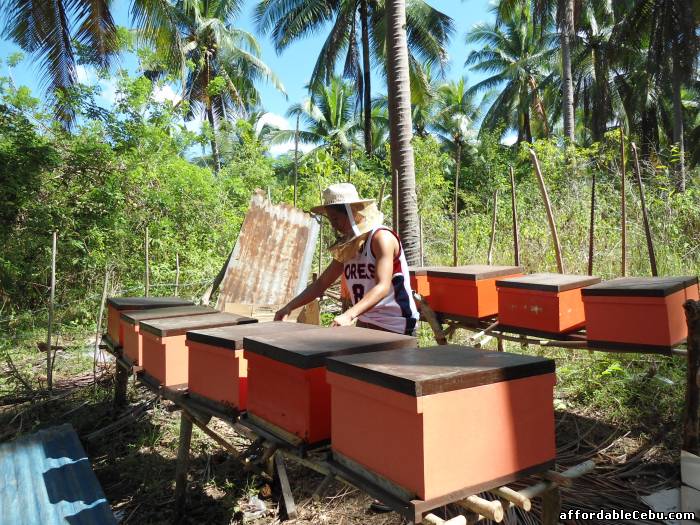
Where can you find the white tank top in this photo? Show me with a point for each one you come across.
(397, 311)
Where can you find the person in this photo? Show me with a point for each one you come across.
(370, 257)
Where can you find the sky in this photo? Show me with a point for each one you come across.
(293, 66)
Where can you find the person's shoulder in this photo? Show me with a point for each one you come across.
(384, 239)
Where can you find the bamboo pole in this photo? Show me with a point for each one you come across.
(548, 207)
(645, 215)
(623, 219)
(514, 208)
(493, 227)
(420, 239)
(99, 326)
(492, 510)
(52, 295)
(296, 161)
(147, 280)
(591, 231)
(177, 273)
(455, 219)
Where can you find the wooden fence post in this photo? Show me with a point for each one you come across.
(591, 231)
(147, 282)
(645, 215)
(691, 423)
(177, 273)
(514, 208)
(99, 326)
(49, 347)
(548, 207)
(494, 220)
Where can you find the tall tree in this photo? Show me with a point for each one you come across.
(518, 58)
(402, 161)
(49, 29)
(218, 63)
(358, 31)
(566, 34)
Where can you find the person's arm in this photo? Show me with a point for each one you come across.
(314, 290)
(385, 248)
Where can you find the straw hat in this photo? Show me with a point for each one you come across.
(343, 193)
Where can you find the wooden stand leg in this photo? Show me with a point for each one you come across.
(183, 459)
(321, 489)
(691, 423)
(551, 507)
(121, 379)
(287, 496)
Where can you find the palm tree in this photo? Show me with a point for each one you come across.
(672, 43)
(402, 161)
(518, 57)
(328, 115)
(454, 125)
(358, 28)
(48, 30)
(218, 63)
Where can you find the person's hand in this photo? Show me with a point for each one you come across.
(282, 314)
(343, 320)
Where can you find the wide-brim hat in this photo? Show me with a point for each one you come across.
(343, 193)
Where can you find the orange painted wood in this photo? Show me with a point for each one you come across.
(467, 291)
(653, 321)
(287, 375)
(165, 358)
(549, 303)
(219, 374)
(217, 368)
(436, 444)
(117, 305)
(113, 324)
(294, 399)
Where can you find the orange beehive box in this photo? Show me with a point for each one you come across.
(419, 280)
(164, 353)
(550, 303)
(287, 376)
(117, 305)
(443, 422)
(466, 291)
(638, 313)
(131, 340)
(217, 369)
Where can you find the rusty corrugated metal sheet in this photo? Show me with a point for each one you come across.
(47, 478)
(272, 259)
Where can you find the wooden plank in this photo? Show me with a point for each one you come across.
(387, 485)
(183, 458)
(287, 496)
(279, 434)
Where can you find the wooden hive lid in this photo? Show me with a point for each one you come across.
(231, 337)
(548, 282)
(173, 326)
(134, 317)
(472, 272)
(421, 372)
(640, 286)
(142, 303)
(309, 349)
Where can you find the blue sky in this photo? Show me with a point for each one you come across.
(294, 66)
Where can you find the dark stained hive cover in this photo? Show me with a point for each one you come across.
(232, 336)
(181, 325)
(548, 282)
(141, 303)
(472, 272)
(133, 317)
(640, 286)
(310, 348)
(426, 371)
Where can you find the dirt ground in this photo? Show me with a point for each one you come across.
(136, 464)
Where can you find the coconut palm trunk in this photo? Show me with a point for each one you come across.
(678, 119)
(366, 82)
(567, 88)
(402, 161)
(214, 143)
(455, 224)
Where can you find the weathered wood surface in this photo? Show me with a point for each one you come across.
(691, 424)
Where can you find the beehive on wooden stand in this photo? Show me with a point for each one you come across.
(638, 313)
(287, 375)
(550, 303)
(131, 340)
(117, 305)
(443, 421)
(463, 291)
(164, 351)
(217, 369)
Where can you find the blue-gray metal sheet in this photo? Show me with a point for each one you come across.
(47, 479)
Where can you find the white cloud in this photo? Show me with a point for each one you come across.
(108, 89)
(85, 76)
(163, 93)
(272, 119)
(509, 138)
(288, 147)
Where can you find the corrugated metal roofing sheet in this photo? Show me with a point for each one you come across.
(47, 479)
(272, 258)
